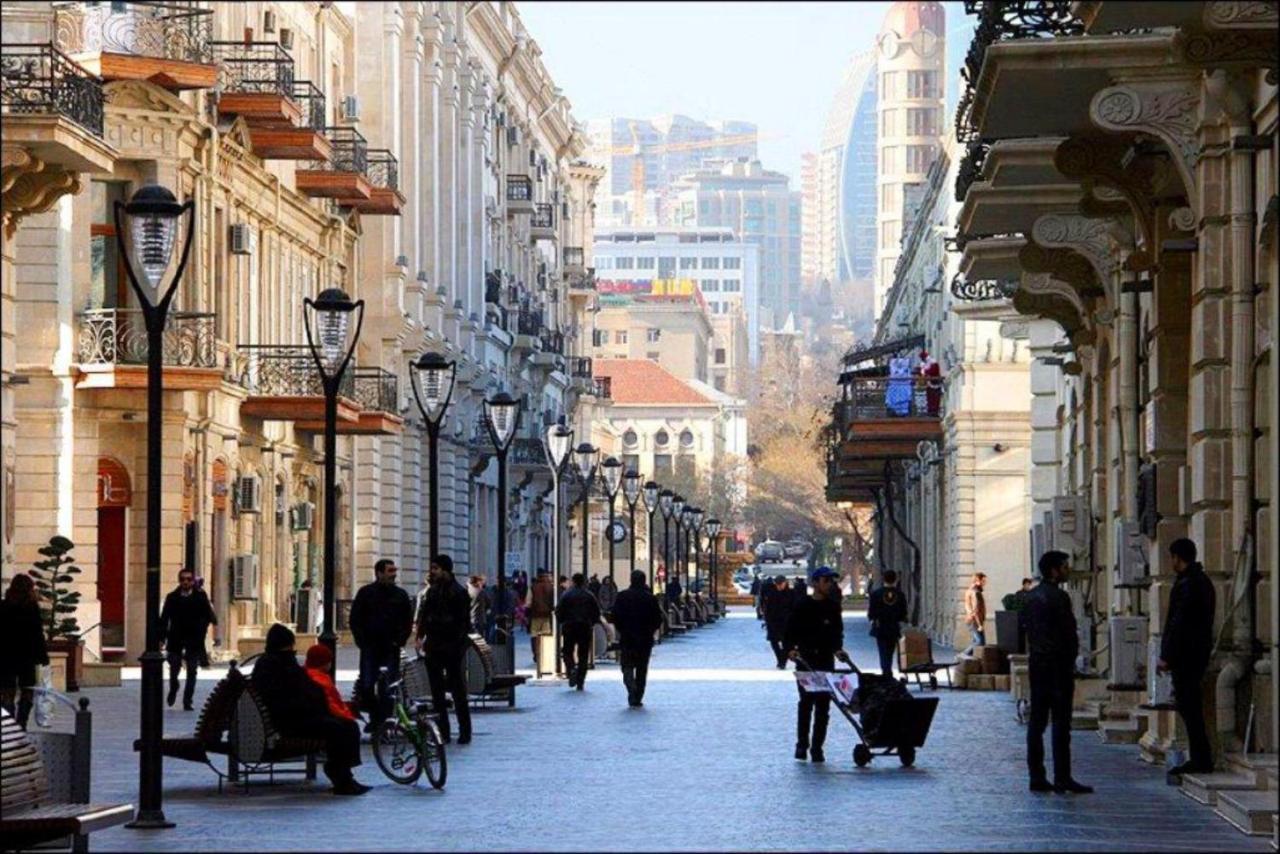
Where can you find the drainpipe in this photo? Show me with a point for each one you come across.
(1242, 363)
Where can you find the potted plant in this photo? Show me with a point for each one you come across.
(52, 577)
(1008, 628)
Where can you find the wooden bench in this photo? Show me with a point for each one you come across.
(928, 667)
(675, 625)
(212, 727)
(258, 746)
(483, 680)
(29, 815)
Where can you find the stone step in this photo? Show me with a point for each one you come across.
(1250, 812)
(1204, 788)
(1084, 719)
(1257, 765)
(1121, 730)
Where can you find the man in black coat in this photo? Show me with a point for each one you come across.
(578, 613)
(1052, 646)
(381, 620)
(297, 706)
(1185, 648)
(637, 615)
(184, 622)
(814, 637)
(887, 611)
(778, 602)
(444, 620)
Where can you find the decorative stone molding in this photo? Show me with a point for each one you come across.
(30, 185)
(1165, 109)
(1242, 15)
(1107, 168)
(140, 95)
(1103, 243)
(1183, 219)
(1237, 50)
(1041, 295)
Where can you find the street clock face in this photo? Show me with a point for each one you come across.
(616, 533)
(888, 44)
(924, 42)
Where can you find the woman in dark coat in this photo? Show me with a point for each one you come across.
(22, 646)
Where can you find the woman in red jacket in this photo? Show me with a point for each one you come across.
(318, 660)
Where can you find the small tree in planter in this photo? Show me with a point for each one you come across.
(52, 577)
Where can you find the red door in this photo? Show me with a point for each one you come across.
(111, 574)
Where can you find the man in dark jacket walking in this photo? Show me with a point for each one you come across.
(779, 601)
(1185, 648)
(887, 611)
(443, 622)
(381, 620)
(637, 615)
(298, 707)
(815, 634)
(578, 612)
(184, 622)
(1052, 646)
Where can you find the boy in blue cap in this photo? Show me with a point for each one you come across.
(815, 633)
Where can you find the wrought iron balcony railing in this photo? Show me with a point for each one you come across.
(376, 390)
(311, 99)
(970, 167)
(1002, 21)
(525, 451)
(572, 256)
(581, 368)
(493, 287)
(519, 188)
(174, 30)
(118, 336)
(284, 370)
(878, 398)
(983, 289)
(384, 169)
(603, 387)
(38, 79)
(544, 216)
(528, 322)
(350, 150)
(552, 341)
(259, 67)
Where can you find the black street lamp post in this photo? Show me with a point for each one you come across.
(586, 455)
(152, 214)
(631, 493)
(666, 498)
(695, 531)
(713, 531)
(650, 494)
(332, 342)
(611, 474)
(678, 505)
(431, 377)
(502, 416)
(559, 440)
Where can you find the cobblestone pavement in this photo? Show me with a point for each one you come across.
(706, 764)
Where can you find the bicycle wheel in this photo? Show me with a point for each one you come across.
(397, 753)
(436, 764)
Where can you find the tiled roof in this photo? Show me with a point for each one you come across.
(641, 381)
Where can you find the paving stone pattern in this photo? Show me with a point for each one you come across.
(706, 764)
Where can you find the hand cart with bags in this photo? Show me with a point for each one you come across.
(889, 720)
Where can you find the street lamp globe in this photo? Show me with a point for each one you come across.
(650, 493)
(695, 518)
(559, 441)
(585, 456)
(678, 507)
(611, 471)
(153, 213)
(713, 527)
(330, 332)
(432, 378)
(502, 415)
(631, 487)
(666, 503)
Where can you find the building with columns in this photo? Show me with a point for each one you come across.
(416, 155)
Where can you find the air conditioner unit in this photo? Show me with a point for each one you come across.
(244, 577)
(244, 239)
(248, 494)
(1070, 530)
(304, 516)
(351, 108)
(1130, 555)
(268, 21)
(1159, 685)
(1128, 654)
(286, 38)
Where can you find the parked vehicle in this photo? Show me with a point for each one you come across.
(796, 549)
(770, 551)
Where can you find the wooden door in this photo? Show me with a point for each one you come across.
(111, 580)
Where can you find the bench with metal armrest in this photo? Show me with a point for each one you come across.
(258, 746)
(212, 727)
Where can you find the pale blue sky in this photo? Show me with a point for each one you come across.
(775, 64)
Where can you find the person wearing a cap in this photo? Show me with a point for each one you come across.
(815, 639)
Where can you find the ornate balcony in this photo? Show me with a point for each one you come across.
(527, 325)
(580, 367)
(552, 342)
(879, 420)
(255, 82)
(573, 261)
(167, 44)
(304, 142)
(112, 350)
(519, 194)
(284, 384)
(602, 387)
(384, 177)
(543, 224)
(982, 290)
(375, 392)
(345, 176)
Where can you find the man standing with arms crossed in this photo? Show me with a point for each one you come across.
(1185, 648)
(381, 620)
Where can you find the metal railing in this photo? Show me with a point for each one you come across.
(525, 451)
(174, 30)
(376, 390)
(602, 387)
(970, 167)
(384, 169)
(493, 287)
(528, 322)
(118, 336)
(284, 370)
(552, 341)
(519, 188)
(311, 99)
(572, 256)
(1002, 21)
(983, 289)
(581, 368)
(544, 216)
(350, 150)
(876, 398)
(258, 67)
(39, 79)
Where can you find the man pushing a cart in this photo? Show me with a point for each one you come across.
(814, 639)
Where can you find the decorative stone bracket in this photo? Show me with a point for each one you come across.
(30, 185)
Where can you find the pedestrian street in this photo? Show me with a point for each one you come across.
(705, 764)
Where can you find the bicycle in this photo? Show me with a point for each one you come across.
(409, 743)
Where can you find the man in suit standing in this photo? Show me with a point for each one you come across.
(1185, 648)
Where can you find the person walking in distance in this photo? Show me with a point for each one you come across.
(638, 616)
(443, 623)
(481, 604)
(381, 620)
(1052, 646)
(578, 613)
(887, 611)
(1185, 648)
(541, 605)
(184, 623)
(22, 647)
(975, 612)
(608, 594)
(814, 638)
(779, 601)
